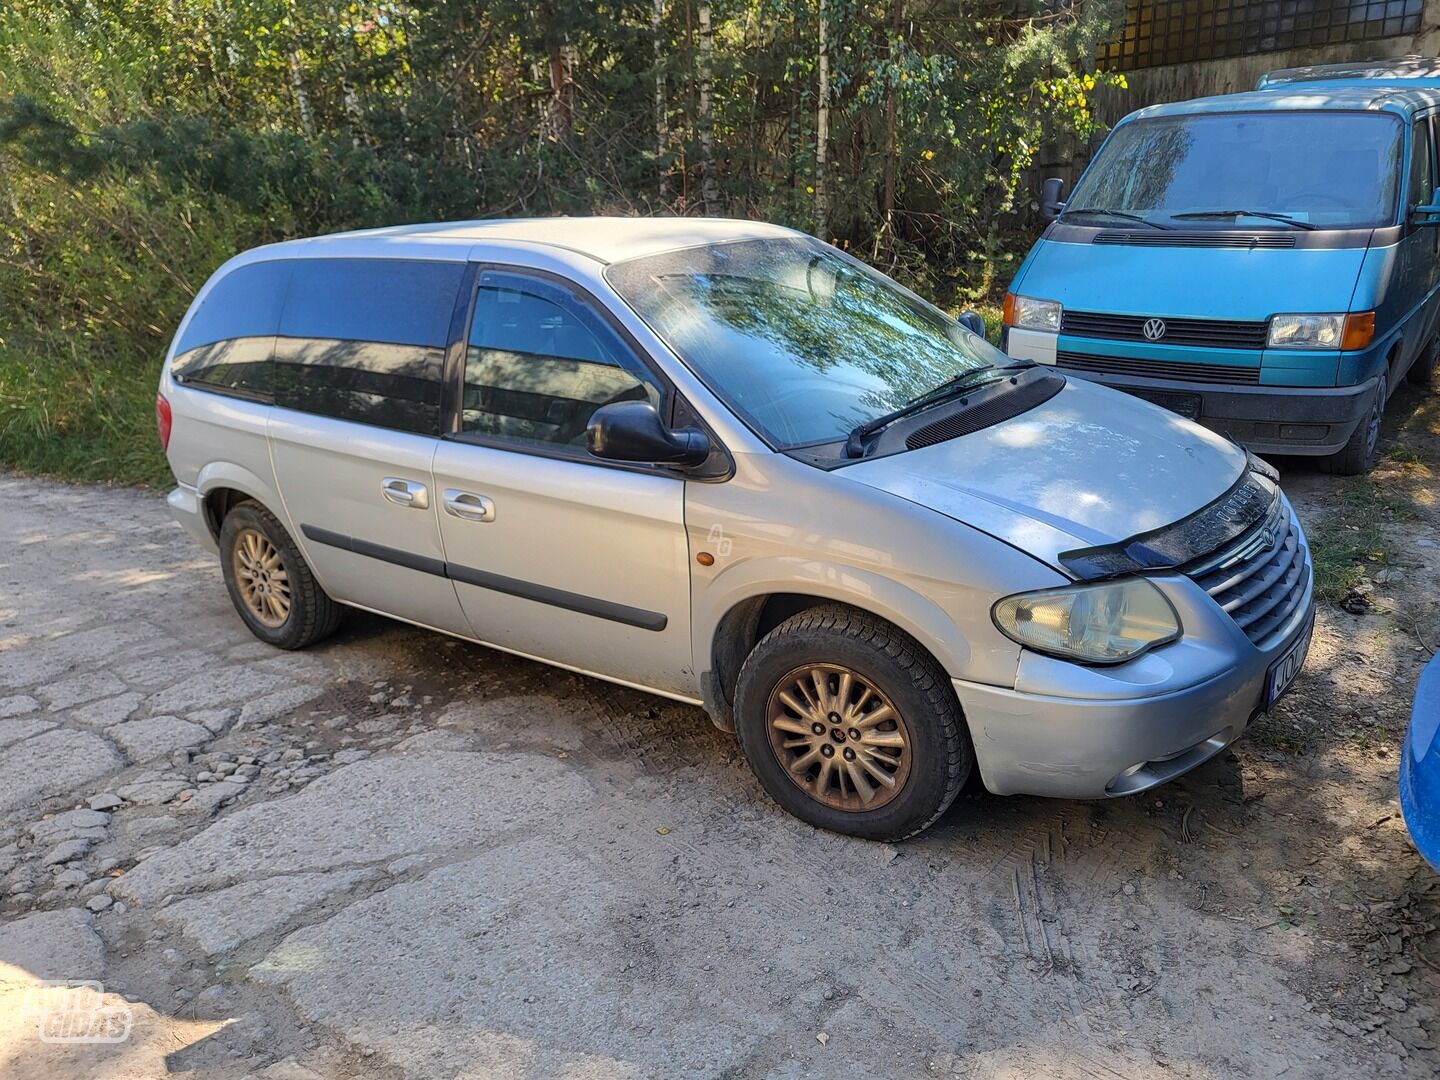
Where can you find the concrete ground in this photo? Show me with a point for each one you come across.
(401, 855)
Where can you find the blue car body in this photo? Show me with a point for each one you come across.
(1215, 287)
(1420, 767)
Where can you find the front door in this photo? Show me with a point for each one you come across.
(554, 553)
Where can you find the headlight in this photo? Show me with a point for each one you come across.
(1103, 623)
(1030, 313)
(1354, 331)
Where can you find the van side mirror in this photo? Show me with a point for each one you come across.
(1052, 198)
(633, 431)
(1425, 216)
(972, 321)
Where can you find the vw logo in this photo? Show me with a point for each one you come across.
(1154, 329)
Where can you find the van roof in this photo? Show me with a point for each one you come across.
(1354, 95)
(605, 239)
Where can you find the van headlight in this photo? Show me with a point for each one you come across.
(1353, 331)
(1104, 623)
(1031, 313)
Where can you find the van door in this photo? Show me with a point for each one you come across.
(359, 365)
(556, 554)
(1420, 250)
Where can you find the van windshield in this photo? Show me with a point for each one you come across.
(1327, 170)
(801, 340)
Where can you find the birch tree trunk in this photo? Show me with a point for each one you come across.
(822, 132)
(892, 149)
(709, 185)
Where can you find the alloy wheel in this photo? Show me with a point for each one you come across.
(838, 737)
(261, 578)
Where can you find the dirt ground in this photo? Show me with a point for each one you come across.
(401, 855)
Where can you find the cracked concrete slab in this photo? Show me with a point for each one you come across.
(60, 944)
(368, 812)
(53, 763)
(220, 922)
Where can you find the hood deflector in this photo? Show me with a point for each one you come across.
(1247, 502)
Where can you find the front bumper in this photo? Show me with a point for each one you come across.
(1079, 732)
(1303, 420)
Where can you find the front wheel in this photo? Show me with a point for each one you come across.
(269, 582)
(851, 726)
(1359, 454)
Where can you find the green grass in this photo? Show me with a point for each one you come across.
(1351, 540)
(79, 420)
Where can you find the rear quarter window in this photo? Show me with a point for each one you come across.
(229, 341)
(364, 340)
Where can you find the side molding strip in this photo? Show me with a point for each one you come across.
(526, 590)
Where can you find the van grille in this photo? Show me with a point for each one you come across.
(1260, 584)
(1214, 333)
(1198, 239)
(1158, 369)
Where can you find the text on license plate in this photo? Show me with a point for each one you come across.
(1284, 670)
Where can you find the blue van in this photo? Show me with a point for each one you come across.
(1266, 263)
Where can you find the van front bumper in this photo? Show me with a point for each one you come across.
(1304, 420)
(1107, 738)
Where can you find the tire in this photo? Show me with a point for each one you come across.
(1422, 371)
(1358, 456)
(886, 668)
(300, 613)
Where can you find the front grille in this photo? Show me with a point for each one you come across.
(1206, 239)
(1213, 333)
(1158, 369)
(1257, 583)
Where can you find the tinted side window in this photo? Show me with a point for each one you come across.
(540, 362)
(364, 340)
(229, 341)
(1422, 179)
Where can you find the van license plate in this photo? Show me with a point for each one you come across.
(1187, 405)
(1284, 670)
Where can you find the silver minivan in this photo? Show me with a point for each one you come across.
(724, 462)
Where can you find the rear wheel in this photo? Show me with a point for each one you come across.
(850, 725)
(269, 582)
(1359, 454)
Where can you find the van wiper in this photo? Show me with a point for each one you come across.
(1201, 215)
(1113, 213)
(951, 387)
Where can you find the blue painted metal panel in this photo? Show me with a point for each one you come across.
(1420, 766)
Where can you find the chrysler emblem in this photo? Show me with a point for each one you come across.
(1154, 329)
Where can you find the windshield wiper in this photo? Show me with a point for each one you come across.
(951, 387)
(1113, 213)
(1201, 215)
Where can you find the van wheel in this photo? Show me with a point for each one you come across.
(1422, 371)
(270, 585)
(1359, 454)
(851, 726)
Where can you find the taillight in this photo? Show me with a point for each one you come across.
(163, 420)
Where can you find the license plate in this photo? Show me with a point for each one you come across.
(1284, 670)
(1187, 405)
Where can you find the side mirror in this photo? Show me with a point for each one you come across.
(1052, 198)
(1425, 216)
(633, 431)
(972, 321)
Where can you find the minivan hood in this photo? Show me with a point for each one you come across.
(1089, 467)
(1247, 284)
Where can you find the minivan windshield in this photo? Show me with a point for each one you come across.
(800, 340)
(1324, 169)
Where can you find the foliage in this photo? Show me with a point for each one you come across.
(144, 141)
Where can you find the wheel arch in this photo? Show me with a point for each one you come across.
(221, 485)
(730, 625)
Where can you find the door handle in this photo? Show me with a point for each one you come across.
(468, 505)
(405, 493)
